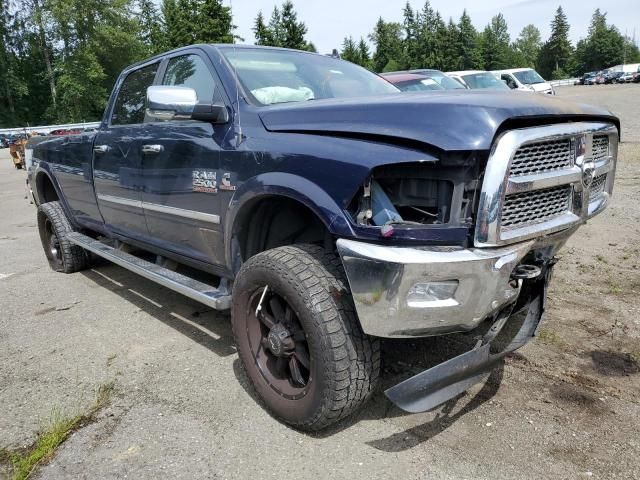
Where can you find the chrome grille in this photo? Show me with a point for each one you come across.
(597, 187)
(536, 206)
(600, 147)
(534, 183)
(542, 157)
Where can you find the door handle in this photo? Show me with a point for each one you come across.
(101, 149)
(151, 149)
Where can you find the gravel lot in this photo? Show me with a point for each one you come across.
(565, 406)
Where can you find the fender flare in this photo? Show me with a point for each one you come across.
(291, 186)
(45, 169)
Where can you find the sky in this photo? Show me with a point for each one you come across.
(329, 21)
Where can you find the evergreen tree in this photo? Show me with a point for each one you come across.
(603, 47)
(428, 55)
(294, 31)
(363, 53)
(357, 53)
(411, 48)
(387, 37)
(527, 47)
(261, 31)
(494, 44)
(284, 29)
(452, 58)
(196, 21)
(555, 54)
(468, 44)
(349, 50)
(150, 27)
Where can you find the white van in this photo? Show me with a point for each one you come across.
(526, 79)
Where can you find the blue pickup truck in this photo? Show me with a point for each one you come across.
(326, 210)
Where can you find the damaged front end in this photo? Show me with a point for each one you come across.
(491, 230)
(509, 329)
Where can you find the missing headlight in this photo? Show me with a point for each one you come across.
(411, 194)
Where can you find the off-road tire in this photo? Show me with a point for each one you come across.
(62, 255)
(345, 363)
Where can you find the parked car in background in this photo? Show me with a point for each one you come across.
(591, 78)
(478, 79)
(583, 79)
(525, 79)
(65, 131)
(422, 80)
(613, 77)
(626, 77)
(4, 141)
(636, 77)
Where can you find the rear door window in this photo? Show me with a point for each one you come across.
(130, 105)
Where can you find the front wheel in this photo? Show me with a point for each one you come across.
(299, 339)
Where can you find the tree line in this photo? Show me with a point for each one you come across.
(424, 40)
(60, 58)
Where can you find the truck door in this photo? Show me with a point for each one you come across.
(181, 166)
(117, 156)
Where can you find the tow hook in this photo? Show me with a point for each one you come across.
(526, 272)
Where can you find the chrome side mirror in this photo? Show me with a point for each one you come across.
(171, 102)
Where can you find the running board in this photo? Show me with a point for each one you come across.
(188, 287)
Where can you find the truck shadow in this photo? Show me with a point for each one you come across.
(401, 358)
(205, 326)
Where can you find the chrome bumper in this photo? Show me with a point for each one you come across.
(381, 277)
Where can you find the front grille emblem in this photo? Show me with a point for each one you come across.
(588, 173)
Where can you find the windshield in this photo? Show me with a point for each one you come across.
(419, 85)
(484, 80)
(280, 76)
(443, 80)
(528, 77)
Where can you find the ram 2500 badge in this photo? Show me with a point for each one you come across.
(329, 210)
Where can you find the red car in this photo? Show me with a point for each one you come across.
(421, 80)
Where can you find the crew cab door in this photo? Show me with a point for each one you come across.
(117, 156)
(181, 162)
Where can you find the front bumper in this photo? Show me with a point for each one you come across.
(381, 278)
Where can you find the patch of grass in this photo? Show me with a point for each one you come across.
(58, 429)
(601, 259)
(615, 288)
(584, 268)
(550, 338)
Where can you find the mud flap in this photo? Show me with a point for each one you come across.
(445, 381)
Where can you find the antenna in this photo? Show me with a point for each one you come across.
(235, 74)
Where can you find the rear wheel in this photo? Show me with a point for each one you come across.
(62, 255)
(299, 339)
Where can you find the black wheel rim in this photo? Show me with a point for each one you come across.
(278, 344)
(52, 243)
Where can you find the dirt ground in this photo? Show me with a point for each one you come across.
(565, 406)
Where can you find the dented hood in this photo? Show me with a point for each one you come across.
(450, 120)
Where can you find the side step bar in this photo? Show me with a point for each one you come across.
(188, 287)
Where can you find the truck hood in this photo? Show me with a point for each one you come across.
(540, 87)
(450, 120)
